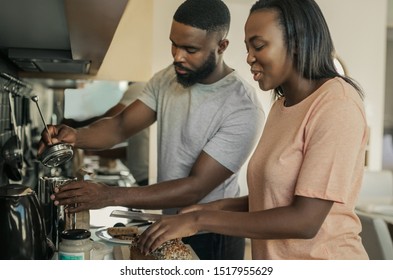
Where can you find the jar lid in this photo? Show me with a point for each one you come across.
(75, 234)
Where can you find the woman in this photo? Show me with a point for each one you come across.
(306, 172)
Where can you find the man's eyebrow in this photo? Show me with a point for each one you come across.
(185, 46)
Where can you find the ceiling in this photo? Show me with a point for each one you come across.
(50, 38)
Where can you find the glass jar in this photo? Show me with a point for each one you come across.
(75, 245)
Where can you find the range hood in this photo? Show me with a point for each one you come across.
(51, 61)
(46, 37)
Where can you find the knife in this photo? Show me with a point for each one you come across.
(140, 216)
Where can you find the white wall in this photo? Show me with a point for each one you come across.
(358, 28)
(390, 13)
(388, 117)
(129, 55)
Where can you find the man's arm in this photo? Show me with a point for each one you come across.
(104, 133)
(116, 109)
(205, 175)
(107, 132)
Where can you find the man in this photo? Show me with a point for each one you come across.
(208, 122)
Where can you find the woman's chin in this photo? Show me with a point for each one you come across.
(263, 86)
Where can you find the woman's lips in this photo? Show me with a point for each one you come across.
(256, 75)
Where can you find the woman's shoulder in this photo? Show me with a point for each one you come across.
(340, 87)
(337, 95)
(337, 89)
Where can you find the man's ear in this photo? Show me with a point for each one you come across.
(222, 45)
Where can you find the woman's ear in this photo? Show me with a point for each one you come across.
(222, 45)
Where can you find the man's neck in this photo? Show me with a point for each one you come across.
(221, 71)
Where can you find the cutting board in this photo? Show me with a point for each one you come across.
(123, 252)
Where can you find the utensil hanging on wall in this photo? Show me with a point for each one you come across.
(12, 151)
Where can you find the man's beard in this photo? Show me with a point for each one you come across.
(193, 77)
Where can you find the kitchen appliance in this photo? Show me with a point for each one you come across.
(22, 227)
(55, 217)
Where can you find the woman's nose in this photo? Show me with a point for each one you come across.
(250, 58)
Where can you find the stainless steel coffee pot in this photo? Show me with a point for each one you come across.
(22, 228)
(54, 216)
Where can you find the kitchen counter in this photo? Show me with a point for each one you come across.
(109, 248)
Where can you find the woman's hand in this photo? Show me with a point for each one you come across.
(174, 226)
(169, 227)
(83, 195)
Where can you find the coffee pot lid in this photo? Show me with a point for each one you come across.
(56, 155)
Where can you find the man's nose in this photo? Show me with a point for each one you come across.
(178, 55)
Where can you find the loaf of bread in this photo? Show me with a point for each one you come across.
(124, 233)
(173, 249)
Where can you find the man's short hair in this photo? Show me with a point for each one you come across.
(209, 15)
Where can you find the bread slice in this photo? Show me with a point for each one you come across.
(173, 249)
(124, 233)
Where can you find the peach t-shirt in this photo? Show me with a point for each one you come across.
(315, 149)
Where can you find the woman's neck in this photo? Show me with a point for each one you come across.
(296, 91)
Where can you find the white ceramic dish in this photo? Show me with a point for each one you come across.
(103, 234)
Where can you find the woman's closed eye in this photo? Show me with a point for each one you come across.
(259, 47)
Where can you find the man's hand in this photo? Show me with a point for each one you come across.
(58, 134)
(83, 195)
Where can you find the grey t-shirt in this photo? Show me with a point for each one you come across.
(223, 119)
(138, 144)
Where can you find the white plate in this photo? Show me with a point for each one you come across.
(104, 235)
